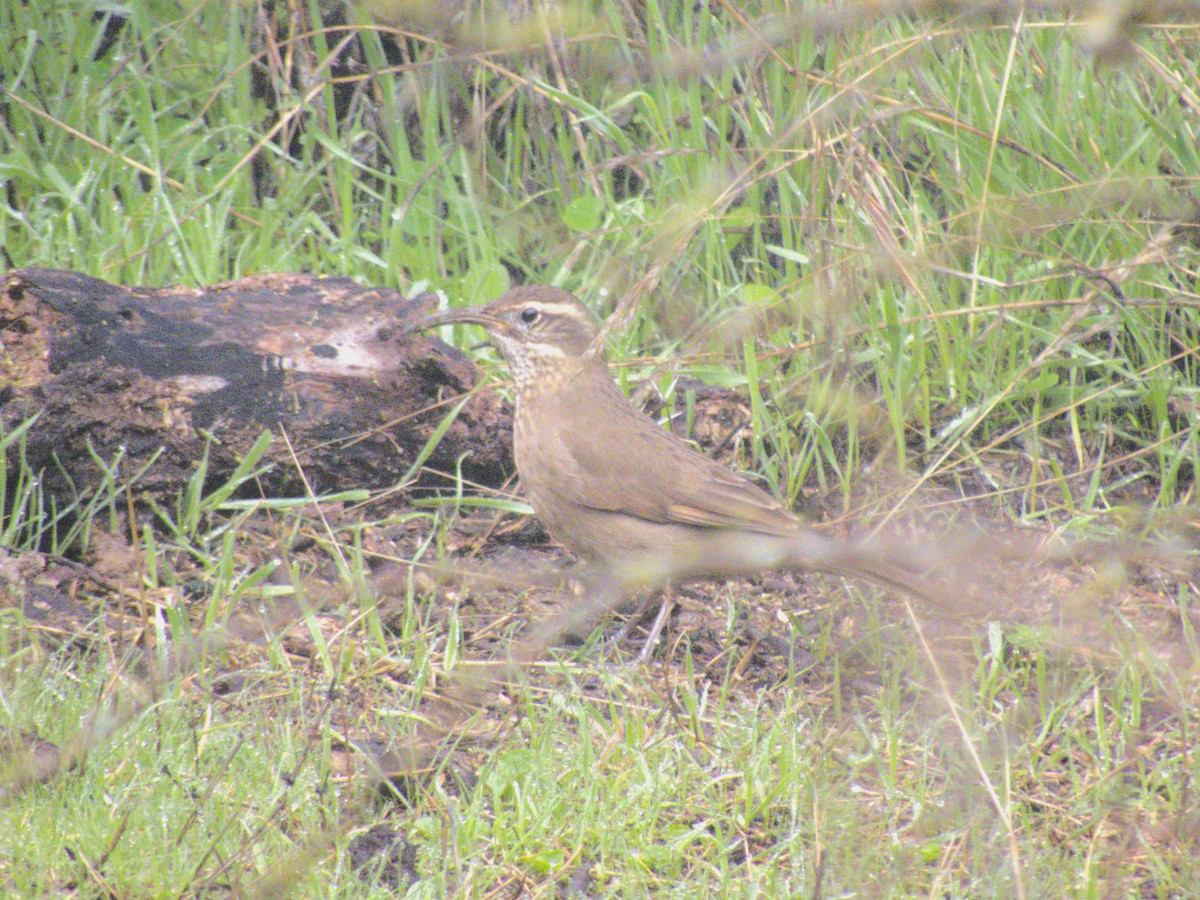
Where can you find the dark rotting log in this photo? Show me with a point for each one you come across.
(176, 372)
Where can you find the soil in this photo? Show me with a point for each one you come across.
(105, 374)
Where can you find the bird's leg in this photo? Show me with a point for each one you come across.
(634, 618)
(666, 603)
(665, 606)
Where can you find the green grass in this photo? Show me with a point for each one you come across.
(953, 247)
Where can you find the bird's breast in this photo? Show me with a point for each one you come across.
(543, 435)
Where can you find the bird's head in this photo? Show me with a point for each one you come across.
(537, 328)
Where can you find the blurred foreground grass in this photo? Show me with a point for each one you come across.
(949, 243)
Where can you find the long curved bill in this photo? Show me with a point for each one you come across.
(466, 315)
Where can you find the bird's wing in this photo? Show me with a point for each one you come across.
(731, 500)
(656, 476)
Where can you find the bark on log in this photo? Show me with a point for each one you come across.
(177, 371)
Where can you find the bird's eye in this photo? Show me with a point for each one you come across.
(530, 314)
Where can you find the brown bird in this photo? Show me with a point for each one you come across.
(625, 494)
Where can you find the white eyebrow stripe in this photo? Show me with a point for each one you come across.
(566, 310)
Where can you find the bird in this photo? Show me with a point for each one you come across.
(635, 501)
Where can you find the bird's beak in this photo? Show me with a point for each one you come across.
(467, 315)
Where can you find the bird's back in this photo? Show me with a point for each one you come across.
(583, 451)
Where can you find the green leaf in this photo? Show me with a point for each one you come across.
(485, 282)
(758, 295)
(584, 213)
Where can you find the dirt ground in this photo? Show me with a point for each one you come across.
(501, 579)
